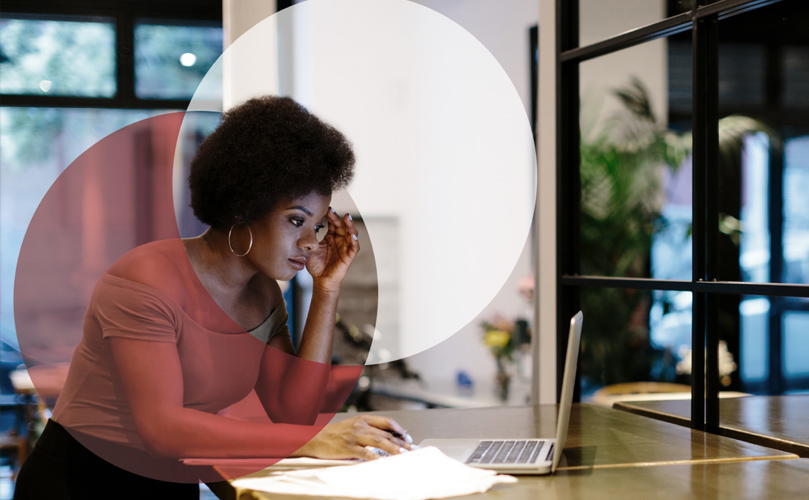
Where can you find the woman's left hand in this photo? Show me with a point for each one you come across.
(329, 262)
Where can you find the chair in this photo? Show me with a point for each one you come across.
(638, 391)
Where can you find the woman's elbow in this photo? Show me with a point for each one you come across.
(161, 447)
(293, 413)
(159, 441)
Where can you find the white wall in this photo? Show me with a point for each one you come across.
(503, 28)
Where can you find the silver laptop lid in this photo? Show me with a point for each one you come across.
(568, 383)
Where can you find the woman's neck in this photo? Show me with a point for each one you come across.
(215, 264)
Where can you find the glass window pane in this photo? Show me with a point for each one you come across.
(635, 162)
(602, 19)
(634, 336)
(754, 365)
(795, 74)
(764, 145)
(774, 335)
(796, 343)
(170, 60)
(36, 145)
(741, 74)
(796, 210)
(63, 58)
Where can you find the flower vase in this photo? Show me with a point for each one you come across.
(503, 380)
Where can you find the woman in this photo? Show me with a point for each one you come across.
(178, 330)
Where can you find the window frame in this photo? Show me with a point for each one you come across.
(126, 14)
(705, 285)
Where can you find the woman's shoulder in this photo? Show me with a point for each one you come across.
(160, 265)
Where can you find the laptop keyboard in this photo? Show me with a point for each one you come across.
(506, 452)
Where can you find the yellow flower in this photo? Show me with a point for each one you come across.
(497, 338)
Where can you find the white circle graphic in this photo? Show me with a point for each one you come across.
(446, 168)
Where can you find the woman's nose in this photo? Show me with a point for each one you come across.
(308, 242)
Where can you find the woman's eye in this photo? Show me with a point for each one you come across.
(320, 234)
(297, 222)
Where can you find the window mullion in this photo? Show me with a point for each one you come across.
(125, 60)
(711, 34)
(705, 341)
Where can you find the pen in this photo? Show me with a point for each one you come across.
(406, 437)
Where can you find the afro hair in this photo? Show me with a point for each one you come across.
(265, 151)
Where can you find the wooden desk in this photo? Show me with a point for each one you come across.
(780, 422)
(752, 480)
(603, 445)
(597, 436)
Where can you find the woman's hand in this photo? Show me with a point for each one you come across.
(329, 262)
(351, 438)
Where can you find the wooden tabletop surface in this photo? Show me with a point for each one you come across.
(780, 422)
(615, 454)
(597, 436)
(748, 480)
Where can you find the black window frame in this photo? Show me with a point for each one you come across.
(702, 21)
(125, 14)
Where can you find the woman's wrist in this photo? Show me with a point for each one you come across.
(326, 288)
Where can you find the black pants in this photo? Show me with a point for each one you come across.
(61, 468)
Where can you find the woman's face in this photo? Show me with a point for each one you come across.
(284, 238)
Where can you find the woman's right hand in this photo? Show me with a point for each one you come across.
(353, 437)
(329, 262)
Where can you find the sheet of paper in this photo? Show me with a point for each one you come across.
(286, 463)
(417, 475)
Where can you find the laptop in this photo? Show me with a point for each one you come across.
(522, 456)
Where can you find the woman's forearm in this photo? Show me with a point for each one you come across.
(184, 433)
(317, 341)
(291, 387)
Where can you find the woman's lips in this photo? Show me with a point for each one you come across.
(298, 264)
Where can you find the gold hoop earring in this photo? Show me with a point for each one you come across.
(230, 243)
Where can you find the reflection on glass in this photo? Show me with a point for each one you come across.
(680, 78)
(635, 165)
(796, 209)
(796, 339)
(635, 336)
(795, 74)
(737, 83)
(764, 159)
(774, 343)
(171, 60)
(754, 365)
(62, 58)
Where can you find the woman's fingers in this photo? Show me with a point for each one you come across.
(388, 424)
(333, 219)
(385, 434)
(363, 437)
(351, 233)
(337, 225)
(349, 223)
(340, 226)
(343, 233)
(368, 453)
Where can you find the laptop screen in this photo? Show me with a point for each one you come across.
(568, 383)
